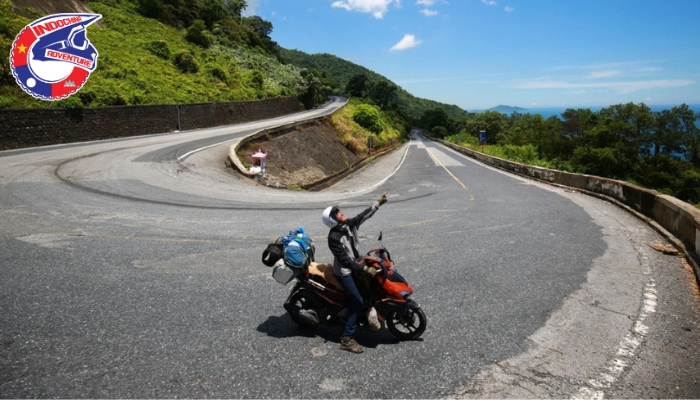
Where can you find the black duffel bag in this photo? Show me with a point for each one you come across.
(273, 252)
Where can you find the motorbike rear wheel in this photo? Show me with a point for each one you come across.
(407, 324)
(299, 308)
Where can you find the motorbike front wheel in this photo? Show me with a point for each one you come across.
(407, 324)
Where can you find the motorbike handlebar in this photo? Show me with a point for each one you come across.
(378, 251)
(372, 262)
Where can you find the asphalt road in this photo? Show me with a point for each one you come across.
(131, 269)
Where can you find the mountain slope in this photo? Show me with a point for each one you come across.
(340, 71)
(144, 61)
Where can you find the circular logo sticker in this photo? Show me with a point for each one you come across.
(52, 58)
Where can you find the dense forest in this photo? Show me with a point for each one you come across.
(654, 149)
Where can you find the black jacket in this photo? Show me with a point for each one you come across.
(343, 240)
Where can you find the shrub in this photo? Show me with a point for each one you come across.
(256, 79)
(367, 116)
(197, 33)
(690, 187)
(186, 62)
(439, 131)
(114, 99)
(219, 73)
(5, 102)
(159, 49)
(71, 102)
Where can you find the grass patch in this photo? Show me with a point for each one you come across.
(355, 137)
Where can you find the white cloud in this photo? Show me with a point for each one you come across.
(375, 7)
(620, 86)
(429, 13)
(426, 3)
(407, 42)
(489, 2)
(603, 74)
(509, 9)
(624, 65)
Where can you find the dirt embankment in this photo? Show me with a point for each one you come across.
(303, 155)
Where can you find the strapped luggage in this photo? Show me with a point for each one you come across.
(296, 250)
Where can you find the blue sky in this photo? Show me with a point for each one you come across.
(528, 53)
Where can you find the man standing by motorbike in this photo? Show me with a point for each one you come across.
(343, 240)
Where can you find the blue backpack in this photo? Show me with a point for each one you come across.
(298, 249)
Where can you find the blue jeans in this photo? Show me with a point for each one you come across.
(355, 306)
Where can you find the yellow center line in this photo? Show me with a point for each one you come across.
(443, 166)
(471, 196)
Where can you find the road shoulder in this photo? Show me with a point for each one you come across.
(637, 304)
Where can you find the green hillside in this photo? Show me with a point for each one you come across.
(145, 61)
(341, 71)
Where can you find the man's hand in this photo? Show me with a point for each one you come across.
(383, 199)
(370, 270)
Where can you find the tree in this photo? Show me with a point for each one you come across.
(433, 118)
(151, 8)
(630, 123)
(257, 32)
(522, 129)
(689, 133)
(576, 122)
(666, 138)
(261, 27)
(357, 85)
(383, 93)
(493, 122)
(188, 12)
(212, 11)
(235, 7)
(316, 91)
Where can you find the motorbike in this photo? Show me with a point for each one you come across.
(318, 298)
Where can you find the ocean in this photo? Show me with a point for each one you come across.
(547, 112)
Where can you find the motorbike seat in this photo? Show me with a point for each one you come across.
(325, 272)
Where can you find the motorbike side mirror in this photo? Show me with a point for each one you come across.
(380, 236)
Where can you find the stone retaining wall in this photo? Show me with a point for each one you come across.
(20, 128)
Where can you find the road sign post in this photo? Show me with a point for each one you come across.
(482, 138)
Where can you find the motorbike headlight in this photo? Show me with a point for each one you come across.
(405, 293)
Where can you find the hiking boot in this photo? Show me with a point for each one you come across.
(349, 344)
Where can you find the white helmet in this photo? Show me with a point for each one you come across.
(328, 216)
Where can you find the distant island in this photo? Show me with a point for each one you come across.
(505, 109)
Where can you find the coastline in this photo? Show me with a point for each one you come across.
(547, 112)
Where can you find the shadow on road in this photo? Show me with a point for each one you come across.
(283, 327)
